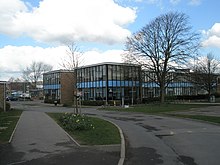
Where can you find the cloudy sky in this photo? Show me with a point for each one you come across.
(39, 30)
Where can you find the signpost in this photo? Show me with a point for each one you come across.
(3, 95)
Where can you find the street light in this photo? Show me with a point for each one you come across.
(111, 92)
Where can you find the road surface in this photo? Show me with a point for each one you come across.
(152, 140)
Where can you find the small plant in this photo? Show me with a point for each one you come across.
(73, 122)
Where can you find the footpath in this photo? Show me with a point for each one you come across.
(39, 140)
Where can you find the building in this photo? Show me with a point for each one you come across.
(117, 82)
(110, 81)
(58, 85)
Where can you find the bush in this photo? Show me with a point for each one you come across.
(51, 101)
(8, 106)
(150, 100)
(67, 105)
(73, 122)
(93, 103)
(114, 102)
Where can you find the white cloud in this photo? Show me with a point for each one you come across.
(195, 2)
(215, 30)
(212, 41)
(93, 57)
(212, 36)
(8, 11)
(14, 59)
(67, 20)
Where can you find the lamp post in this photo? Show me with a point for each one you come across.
(4, 102)
(111, 92)
(24, 90)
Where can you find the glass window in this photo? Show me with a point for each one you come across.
(114, 72)
(109, 72)
(100, 77)
(104, 72)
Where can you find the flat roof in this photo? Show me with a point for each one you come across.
(59, 71)
(86, 66)
(3, 82)
(107, 63)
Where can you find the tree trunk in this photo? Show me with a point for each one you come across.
(162, 94)
(77, 110)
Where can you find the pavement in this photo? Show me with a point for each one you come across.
(149, 139)
(39, 140)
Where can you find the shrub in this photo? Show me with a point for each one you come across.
(73, 122)
(93, 103)
(8, 106)
(114, 102)
(67, 104)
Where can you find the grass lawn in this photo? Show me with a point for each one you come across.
(104, 132)
(8, 121)
(213, 119)
(156, 108)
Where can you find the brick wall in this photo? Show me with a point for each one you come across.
(67, 87)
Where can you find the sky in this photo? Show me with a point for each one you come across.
(40, 30)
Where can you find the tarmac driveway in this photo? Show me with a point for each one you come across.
(153, 139)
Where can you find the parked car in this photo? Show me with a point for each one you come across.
(11, 98)
(25, 96)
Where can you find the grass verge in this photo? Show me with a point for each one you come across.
(212, 119)
(104, 132)
(8, 121)
(156, 108)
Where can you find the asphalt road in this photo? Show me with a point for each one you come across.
(153, 139)
(165, 140)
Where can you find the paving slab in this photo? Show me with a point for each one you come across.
(38, 135)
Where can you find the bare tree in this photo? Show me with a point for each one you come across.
(70, 62)
(13, 79)
(73, 59)
(163, 45)
(34, 72)
(205, 73)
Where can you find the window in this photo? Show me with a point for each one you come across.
(109, 72)
(104, 72)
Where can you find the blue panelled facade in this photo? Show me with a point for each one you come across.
(109, 81)
(51, 85)
(180, 84)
